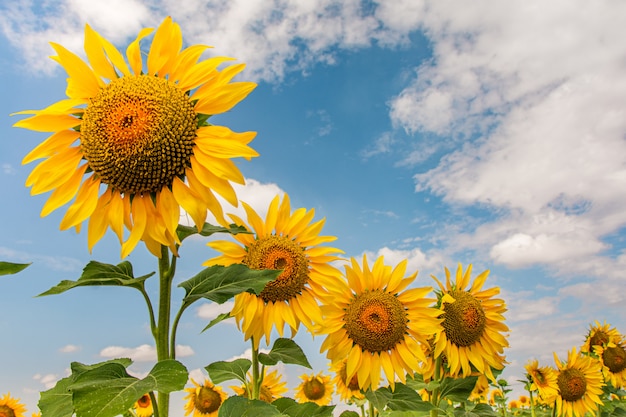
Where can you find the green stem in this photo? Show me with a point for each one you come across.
(155, 409)
(533, 413)
(256, 383)
(173, 333)
(153, 326)
(434, 399)
(372, 410)
(166, 275)
(362, 410)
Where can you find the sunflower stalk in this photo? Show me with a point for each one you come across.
(434, 399)
(256, 383)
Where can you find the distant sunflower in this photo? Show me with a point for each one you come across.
(315, 388)
(599, 335)
(481, 390)
(473, 323)
(579, 382)
(543, 380)
(143, 406)
(204, 400)
(524, 401)
(613, 359)
(287, 241)
(142, 136)
(11, 407)
(374, 321)
(347, 389)
(272, 387)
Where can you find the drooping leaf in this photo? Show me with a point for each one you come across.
(243, 407)
(184, 232)
(379, 398)
(7, 268)
(109, 390)
(224, 371)
(286, 351)
(349, 413)
(458, 389)
(404, 398)
(57, 401)
(475, 410)
(220, 283)
(97, 273)
(290, 407)
(220, 318)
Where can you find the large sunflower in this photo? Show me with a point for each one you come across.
(315, 388)
(473, 324)
(543, 380)
(204, 400)
(374, 321)
(613, 359)
(131, 144)
(287, 241)
(579, 382)
(11, 407)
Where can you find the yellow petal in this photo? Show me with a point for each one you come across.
(84, 205)
(55, 143)
(160, 49)
(64, 192)
(168, 207)
(189, 201)
(213, 182)
(53, 171)
(139, 219)
(116, 215)
(95, 53)
(185, 60)
(49, 122)
(84, 82)
(98, 222)
(133, 53)
(222, 99)
(201, 73)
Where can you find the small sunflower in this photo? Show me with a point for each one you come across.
(272, 387)
(376, 323)
(143, 406)
(287, 241)
(473, 323)
(133, 150)
(315, 388)
(613, 359)
(204, 400)
(579, 382)
(543, 380)
(348, 390)
(599, 335)
(11, 407)
(524, 401)
(481, 390)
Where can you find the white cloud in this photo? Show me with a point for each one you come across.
(417, 260)
(70, 349)
(56, 263)
(48, 380)
(209, 311)
(8, 169)
(142, 353)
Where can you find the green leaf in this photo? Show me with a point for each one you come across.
(349, 413)
(224, 371)
(618, 412)
(286, 351)
(243, 407)
(290, 407)
(57, 401)
(404, 398)
(8, 268)
(220, 283)
(379, 398)
(458, 389)
(97, 273)
(405, 413)
(184, 232)
(108, 390)
(220, 318)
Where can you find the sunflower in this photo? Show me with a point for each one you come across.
(143, 406)
(599, 335)
(315, 388)
(374, 322)
(204, 400)
(524, 401)
(613, 359)
(472, 323)
(579, 382)
(348, 390)
(272, 387)
(481, 390)
(543, 380)
(132, 144)
(287, 241)
(11, 407)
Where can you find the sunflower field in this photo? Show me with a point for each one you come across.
(131, 146)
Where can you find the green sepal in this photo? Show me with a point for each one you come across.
(97, 273)
(457, 389)
(225, 371)
(184, 232)
(8, 268)
(220, 283)
(290, 407)
(220, 318)
(286, 351)
(242, 407)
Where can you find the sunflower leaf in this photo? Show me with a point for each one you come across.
(220, 318)
(242, 407)
(7, 268)
(290, 407)
(286, 351)
(108, 390)
(458, 389)
(404, 398)
(475, 410)
(220, 283)
(184, 232)
(224, 371)
(379, 398)
(349, 413)
(97, 273)
(57, 401)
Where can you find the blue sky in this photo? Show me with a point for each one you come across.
(420, 130)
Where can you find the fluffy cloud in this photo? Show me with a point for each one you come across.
(142, 353)
(209, 311)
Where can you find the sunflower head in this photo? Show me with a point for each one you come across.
(272, 387)
(579, 382)
(11, 407)
(204, 400)
(347, 389)
(613, 360)
(132, 145)
(473, 325)
(542, 379)
(315, 388)
(600, 334)
(143, 406)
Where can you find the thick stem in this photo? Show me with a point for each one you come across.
(256, 383)
(166, 275)
(434, 399)
(533, 413)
